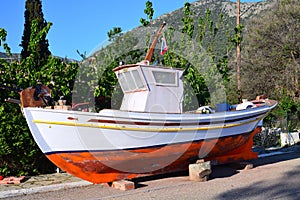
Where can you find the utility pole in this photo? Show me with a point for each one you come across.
(238, 52)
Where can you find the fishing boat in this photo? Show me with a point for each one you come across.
(149, 134)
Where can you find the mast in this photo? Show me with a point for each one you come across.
(151, 49)
(238, 54)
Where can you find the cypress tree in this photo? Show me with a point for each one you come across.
(33, 11)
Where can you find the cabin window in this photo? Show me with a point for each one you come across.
(138, 80)
(165, 78)
(123, 81)
(131, 81)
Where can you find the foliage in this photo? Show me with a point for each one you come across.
(3, 43)
(271, 60)
(237, 38)
(149, 11)
(286, 115)
(268, 137)
(35, 29)
(272, 52)
(19, 153)
(188, 21)
(208, 31)
(114, 33)
(210, 84)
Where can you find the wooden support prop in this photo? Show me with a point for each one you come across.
(123, 185)
(248, 166)
(241, 165)
(12, 180)
(200, 171)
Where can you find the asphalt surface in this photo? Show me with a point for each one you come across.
(275, 176)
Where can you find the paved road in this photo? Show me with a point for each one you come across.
(275, 177)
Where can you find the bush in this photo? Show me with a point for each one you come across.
(19, 153)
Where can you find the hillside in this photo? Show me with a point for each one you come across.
(173, 19)
(227, 7)
(14, 56)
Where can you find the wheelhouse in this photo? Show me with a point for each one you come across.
(141, 84)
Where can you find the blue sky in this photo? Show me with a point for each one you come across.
(78, 24)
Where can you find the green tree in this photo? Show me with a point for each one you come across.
(188, 20)
(271, 59)
(3, 43)
(272, 52)
(19, 153)
(207, 79)
(34, 14)
(149, 11)
(114, 33)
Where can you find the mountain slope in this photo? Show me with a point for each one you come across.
(217, 7)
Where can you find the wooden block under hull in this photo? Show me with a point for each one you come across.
(109, 166)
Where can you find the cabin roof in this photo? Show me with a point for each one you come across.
(135, 65)
(124, 66)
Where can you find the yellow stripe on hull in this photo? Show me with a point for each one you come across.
(143, 129)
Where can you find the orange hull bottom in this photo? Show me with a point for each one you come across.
(109, 166)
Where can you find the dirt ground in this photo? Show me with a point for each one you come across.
(273, 177)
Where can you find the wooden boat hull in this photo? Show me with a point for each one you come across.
(88, 165)
(113, 145)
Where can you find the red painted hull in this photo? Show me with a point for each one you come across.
(109, 166)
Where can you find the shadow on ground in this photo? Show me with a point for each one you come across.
(281, 189)
(285, 187)
(228, 170)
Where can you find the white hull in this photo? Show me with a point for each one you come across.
(68, 131)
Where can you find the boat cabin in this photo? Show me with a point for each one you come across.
(148, 88)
